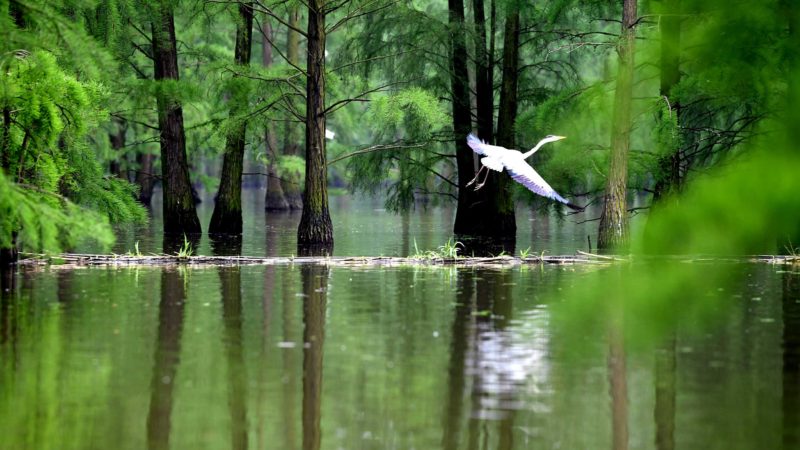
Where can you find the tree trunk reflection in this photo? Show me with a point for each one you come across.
(666, 366)
(231, 285)
(791, 361)
(315, 285)
(453, 411)
(166, 358)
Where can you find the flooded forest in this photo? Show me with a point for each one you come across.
(410, 224)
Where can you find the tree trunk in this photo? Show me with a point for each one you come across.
(613, 230)
(144, 177)
(293, 186)
(669, 176)
(482, 214)
(117, 140)
(466, 212)
(274, 199)
(180, 215)
(8, 255)
(227, 216)
(483, 86)
(500, 191)
(315, 233)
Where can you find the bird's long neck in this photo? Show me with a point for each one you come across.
(534, 149)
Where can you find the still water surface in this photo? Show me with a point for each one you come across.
(362, 227)
(290, 357)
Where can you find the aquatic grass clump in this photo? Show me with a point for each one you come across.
(448, 250)
(186, 249)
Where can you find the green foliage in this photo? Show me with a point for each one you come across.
(49, 169)
(47, 222)
(418, 113)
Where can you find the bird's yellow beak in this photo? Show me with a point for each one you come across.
(558, 138)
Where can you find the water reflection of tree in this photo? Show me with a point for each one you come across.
(665, 380)
(459, 333)
(8, 322)
(166, 358)
(267, 302)
(791, 361)
(618, 383)
(315, 284)
(481, 355)
(231, 286)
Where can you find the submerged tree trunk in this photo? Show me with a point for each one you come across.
(669, 176)
(500, 191)
(613, 230)
(315, 233)
(274, 199)
(180, 215)
(227, 217)
(292, 182)
(488, 212)
(462, 125)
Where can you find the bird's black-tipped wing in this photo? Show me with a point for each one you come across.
(525, 175)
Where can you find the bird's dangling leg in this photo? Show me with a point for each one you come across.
(485, 177)
(476, 176)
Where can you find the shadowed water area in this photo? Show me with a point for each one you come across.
(317, 357)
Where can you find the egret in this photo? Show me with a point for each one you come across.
(513, 161)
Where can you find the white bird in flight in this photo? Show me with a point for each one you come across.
(498, 158)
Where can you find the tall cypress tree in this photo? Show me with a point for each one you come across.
(227, 216)
(315, 233)
(614, 218)
(180, 215)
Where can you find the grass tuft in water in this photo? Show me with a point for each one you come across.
(448, 250)
(186, 249)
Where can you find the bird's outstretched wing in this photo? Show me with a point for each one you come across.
(524, 174)
(484, 149)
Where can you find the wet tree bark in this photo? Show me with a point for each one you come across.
(227, 216)
(613, 230)
(315, 280)
(166, 359)
(274, 199)
(315, 233)
(669, 177)
(180, 215)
